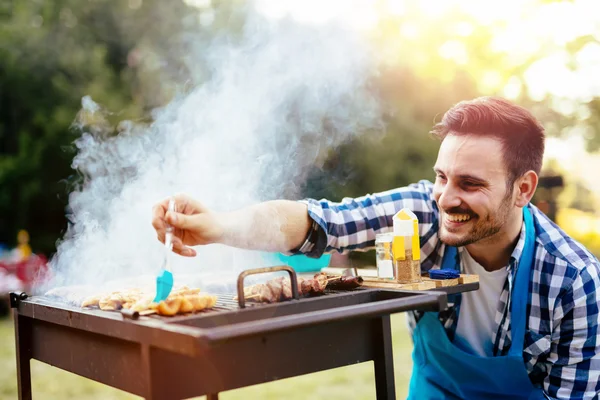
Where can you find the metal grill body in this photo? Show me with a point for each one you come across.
(220, 349)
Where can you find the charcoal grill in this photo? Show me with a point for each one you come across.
(228, 347)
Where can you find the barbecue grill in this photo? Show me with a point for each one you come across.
(233, 345)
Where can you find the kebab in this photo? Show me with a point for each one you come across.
(344, 282)
(279, 289)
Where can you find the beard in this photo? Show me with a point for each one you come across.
(480, 228)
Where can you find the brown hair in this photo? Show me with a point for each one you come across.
(520, 133)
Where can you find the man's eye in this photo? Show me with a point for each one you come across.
(472, 184)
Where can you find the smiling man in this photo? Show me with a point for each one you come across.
(530, 331)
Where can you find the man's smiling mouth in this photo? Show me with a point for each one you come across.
(458, 217)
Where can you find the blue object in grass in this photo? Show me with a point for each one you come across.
(443, 274)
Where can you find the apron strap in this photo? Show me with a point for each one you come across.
(520, 293)
(449, 261)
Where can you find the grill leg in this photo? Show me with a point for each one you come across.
(23, 348)
(384, 359)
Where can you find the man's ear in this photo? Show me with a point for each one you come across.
(525, 188)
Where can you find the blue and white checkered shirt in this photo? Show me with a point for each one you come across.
(562, 341)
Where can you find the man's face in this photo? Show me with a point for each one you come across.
(470, 189)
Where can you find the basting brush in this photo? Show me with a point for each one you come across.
(164, 280)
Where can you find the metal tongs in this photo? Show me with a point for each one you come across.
(164, 280)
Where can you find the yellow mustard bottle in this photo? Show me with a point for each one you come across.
(406, 247)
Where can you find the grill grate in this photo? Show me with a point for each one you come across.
(228, 302)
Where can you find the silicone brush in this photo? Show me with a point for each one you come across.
(164, 280)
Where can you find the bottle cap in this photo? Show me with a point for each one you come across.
(404, 224)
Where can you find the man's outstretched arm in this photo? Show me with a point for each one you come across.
(275, 226)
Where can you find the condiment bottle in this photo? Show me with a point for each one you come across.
(406, 248)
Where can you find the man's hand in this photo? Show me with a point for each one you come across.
(274, 226)
(193, 224)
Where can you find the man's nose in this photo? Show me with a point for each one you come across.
(448, 197)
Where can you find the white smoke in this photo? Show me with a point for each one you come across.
(278, 97)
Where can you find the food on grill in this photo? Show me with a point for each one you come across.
(280, 289)
(344, 282)
(169, 306)
(186, 305)
(91, 301)
(180, 301)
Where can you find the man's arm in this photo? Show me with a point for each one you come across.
(310, 227)
(353, 223)
(574, 360)
(275, 226)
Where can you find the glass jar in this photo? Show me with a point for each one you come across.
(385, 258)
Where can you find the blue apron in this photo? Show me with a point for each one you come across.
(442, 370)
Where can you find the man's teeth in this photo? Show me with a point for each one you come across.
(458, 217)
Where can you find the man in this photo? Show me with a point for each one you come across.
(530, 331)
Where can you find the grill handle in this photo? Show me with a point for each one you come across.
(16, 297)
(255, 271)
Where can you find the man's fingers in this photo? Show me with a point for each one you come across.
(187, 205)
(186, 219)
(158, 215)
(179, 248)
(178, 220)
(177, 244)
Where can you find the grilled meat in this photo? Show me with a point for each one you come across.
(345, 282)
(280, 289)
(276, 288)
(181, 300)
(287, 288)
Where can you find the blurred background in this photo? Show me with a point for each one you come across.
(544, 55)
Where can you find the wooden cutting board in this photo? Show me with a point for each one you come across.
(426, 284)
(370, 278)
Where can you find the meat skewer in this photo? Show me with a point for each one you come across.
(279, 289)
(344, 282)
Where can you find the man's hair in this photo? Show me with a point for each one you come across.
(521, 134)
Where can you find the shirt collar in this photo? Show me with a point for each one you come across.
(516, 254)
(518, 250)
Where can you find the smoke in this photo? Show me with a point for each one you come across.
(279, 96)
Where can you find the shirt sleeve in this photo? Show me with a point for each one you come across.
(353, 223)
(574, 360)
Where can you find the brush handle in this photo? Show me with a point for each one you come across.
(169, 230)
(169, 236)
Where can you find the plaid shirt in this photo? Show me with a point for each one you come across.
(562, 341)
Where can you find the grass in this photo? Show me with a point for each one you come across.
(352, 382)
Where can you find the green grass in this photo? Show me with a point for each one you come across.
(352, 382)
